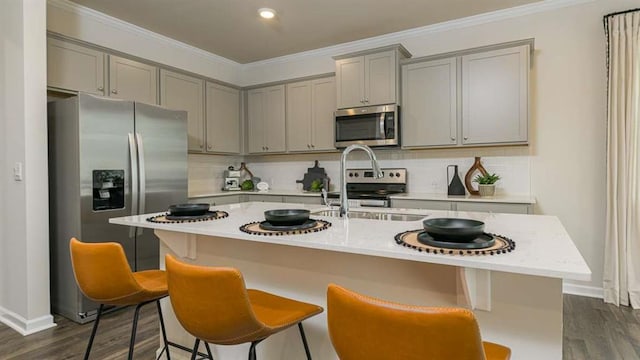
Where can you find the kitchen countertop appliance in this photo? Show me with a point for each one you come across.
(232, 179)
(364, 190)
(109, 158)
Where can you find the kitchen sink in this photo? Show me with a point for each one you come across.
(371, 215)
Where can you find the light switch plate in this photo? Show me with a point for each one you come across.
(17, 171)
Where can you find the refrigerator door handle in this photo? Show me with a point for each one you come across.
(142, 178)
(134, 180)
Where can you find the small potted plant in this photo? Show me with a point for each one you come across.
(487, 184)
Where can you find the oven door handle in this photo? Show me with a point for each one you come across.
(381, 124)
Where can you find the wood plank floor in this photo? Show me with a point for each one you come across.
(592, 330)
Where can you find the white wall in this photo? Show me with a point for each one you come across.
(24, 237)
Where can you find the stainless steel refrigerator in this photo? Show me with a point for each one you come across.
(109, 158)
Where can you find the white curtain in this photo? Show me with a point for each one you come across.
(622, 244)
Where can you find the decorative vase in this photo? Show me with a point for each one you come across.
(487, 189)
(477, 166)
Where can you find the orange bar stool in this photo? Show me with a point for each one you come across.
(104, 276)
(363, 327)
(213, 305)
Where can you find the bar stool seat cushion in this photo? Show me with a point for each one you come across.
(496, 351)
(278, 312)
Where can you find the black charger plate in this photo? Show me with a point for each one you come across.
(188, 209)
(484, 240)
(266, 225)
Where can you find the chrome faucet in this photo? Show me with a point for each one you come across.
(344, 202)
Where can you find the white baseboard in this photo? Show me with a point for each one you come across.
(583, 290)
(23, 326)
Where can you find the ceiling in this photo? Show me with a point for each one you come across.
(232, 28)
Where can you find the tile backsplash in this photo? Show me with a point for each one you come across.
(426, 169)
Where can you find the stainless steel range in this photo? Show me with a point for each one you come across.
(363, 189)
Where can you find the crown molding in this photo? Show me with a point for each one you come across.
(359, 45)
(397, 37)
(105, 19)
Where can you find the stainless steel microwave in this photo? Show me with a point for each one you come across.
(371, 125)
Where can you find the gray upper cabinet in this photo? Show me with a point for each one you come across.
(266, 119)
(480, 98)
(495, 92)
(369, 77)
(223, 119)
(309, 118)
(183, 92)
(73, 67)
(132, 80)
(429, 112)
(367, 80)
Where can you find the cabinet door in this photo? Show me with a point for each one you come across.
(507, 208)
(429, 103)
(274, 125)
(421, 204)
(223, 119)
(73, 67)
(350, 82)
(380, 78)
(299, 114)
(323, 93)
(313, 200)
(182, 92)
(264, 198)
(131, 80)
(255, 123)
(495, 86)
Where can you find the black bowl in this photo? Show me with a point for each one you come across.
(286, 217)
(188, 209)
(453, 229)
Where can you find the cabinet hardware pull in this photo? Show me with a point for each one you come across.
(114, 91)
(100, 88)
(453, 139)
(209, 147)
(466, 138)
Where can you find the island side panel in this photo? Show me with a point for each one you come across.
(304, 274)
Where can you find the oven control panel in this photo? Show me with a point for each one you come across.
(366, 176)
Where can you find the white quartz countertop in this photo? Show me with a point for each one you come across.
(515, 199)
(543, 247)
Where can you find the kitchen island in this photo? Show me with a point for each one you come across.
(517, 296)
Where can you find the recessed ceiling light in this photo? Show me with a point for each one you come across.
(267, 13)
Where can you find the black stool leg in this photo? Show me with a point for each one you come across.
(252, 350)
(133, 331)
(93, 333)
(164, 333)
(195, 349)
(304, 341)
(206, 344)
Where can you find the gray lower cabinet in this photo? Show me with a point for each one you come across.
(219, 200)
(312, 200)
(508, 208)
(263, 198)
(422, 204)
